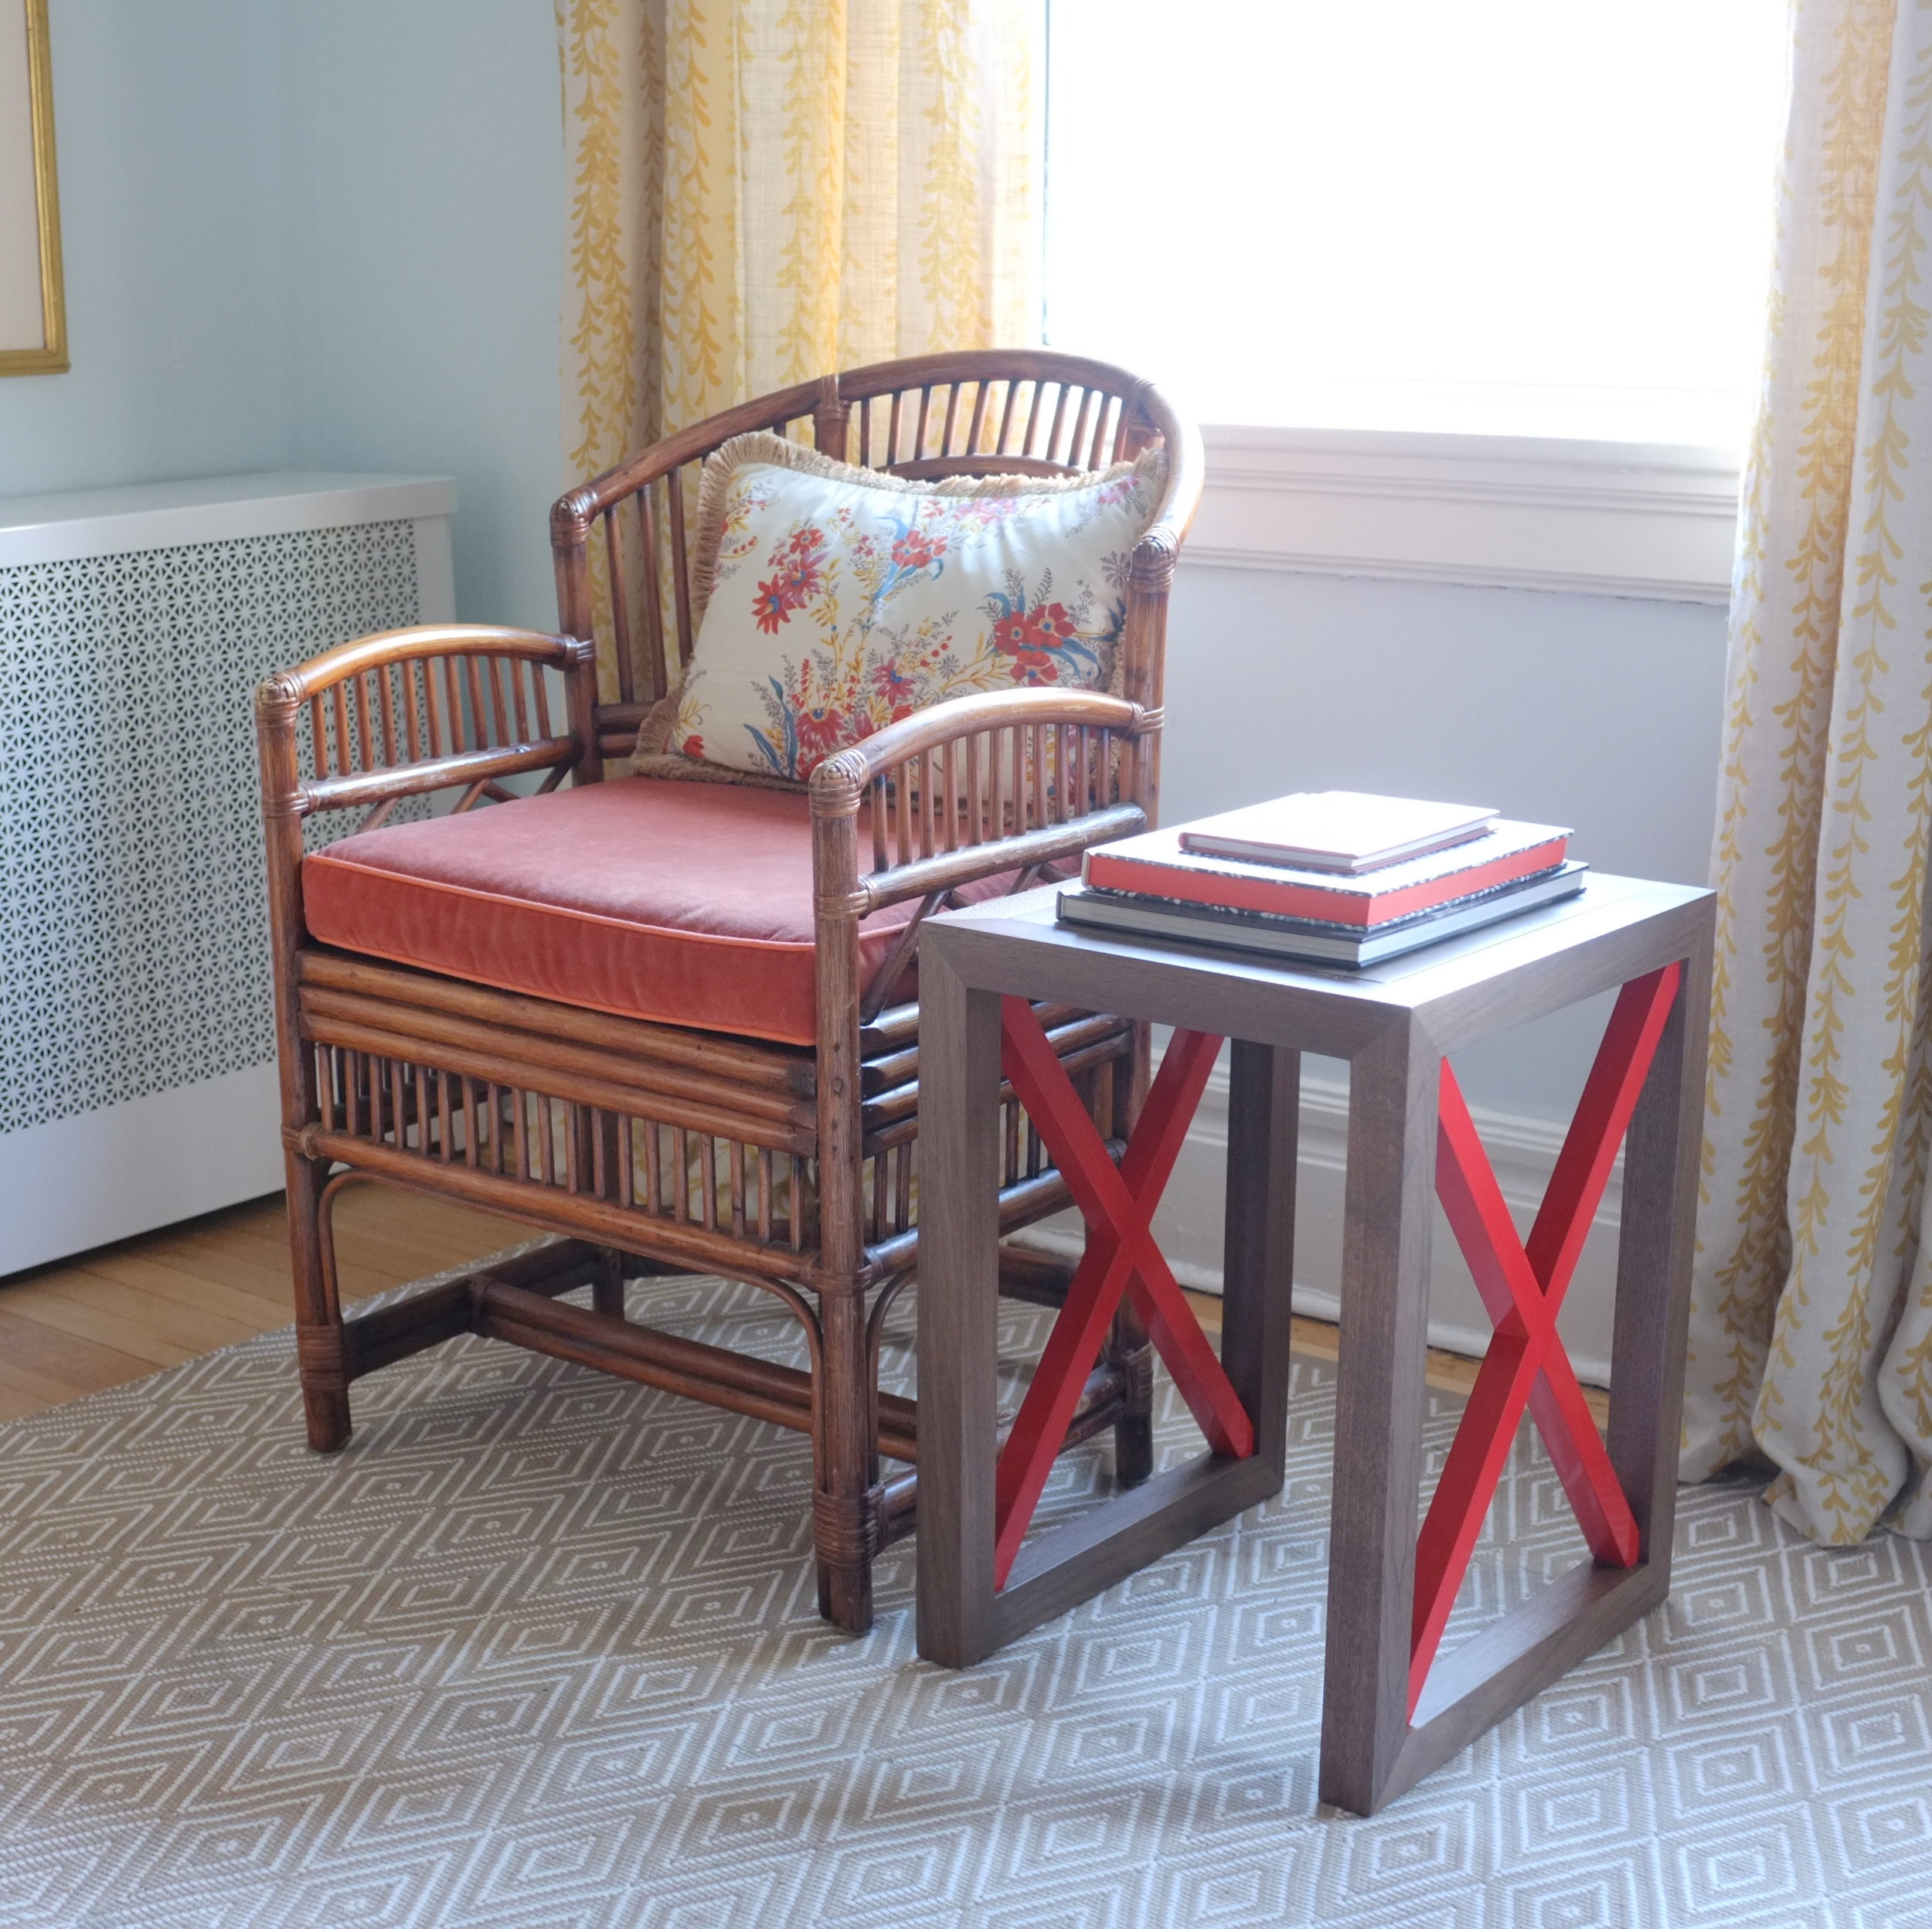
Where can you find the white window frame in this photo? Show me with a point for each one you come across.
(1636, 519)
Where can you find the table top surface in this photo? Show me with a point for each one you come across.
(1608, 924)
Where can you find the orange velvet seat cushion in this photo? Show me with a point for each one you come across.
(681, 904)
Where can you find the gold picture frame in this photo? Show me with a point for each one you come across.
(33, 309)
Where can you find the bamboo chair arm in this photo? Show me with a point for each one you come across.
(395, 760)
(350, 659)
(472, 770)
(838, 784)
(1023, 851)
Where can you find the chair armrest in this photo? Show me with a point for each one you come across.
(361, 653)
(410, 711)
(871, 757)
(1043, 828)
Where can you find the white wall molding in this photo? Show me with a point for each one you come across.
(1522, 1149)
(1631, 520)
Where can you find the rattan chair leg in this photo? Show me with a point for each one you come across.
(845, 1511)
(1129, 1348)
(320, 1348)
(607, 1290)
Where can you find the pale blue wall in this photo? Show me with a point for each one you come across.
(1599, 712)
(429, 204)
(170, 165)
(318, 236)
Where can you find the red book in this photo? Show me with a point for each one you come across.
(1154, 864)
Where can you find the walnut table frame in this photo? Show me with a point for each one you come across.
(1392, 1710)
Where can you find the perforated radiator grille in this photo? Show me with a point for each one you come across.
(134, 945)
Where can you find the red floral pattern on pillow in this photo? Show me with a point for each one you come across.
(837, 607)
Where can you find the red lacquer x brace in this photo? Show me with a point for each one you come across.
(1121, 1256)
(1523, 1284)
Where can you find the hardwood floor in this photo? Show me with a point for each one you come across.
(122, 1311)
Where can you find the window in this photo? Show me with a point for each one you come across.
(1517, 217)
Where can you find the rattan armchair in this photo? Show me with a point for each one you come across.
(668, 1148)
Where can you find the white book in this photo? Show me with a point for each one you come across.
(1349, 831)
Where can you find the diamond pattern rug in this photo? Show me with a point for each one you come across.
(540, 1650)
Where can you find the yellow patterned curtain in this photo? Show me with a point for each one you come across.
(764, 190)
(1812, 1324)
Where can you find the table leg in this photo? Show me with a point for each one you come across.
(964, 1613)
(1264, 1093)
(959, 1040)
(1372, 1750)
(1655, 1243)
(1390, 1202)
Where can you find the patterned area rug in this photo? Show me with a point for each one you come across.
(540, 1649)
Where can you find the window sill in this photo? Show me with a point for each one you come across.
(1635, 519)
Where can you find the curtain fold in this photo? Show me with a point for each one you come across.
(762, 191)
(1811, 1314)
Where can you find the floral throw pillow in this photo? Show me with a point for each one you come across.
(837, 600)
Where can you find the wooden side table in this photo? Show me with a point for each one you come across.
(1392, 1710)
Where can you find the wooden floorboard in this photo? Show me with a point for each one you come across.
(123, 1312)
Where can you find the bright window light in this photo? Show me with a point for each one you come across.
(1517, 217)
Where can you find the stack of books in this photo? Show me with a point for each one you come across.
(1335, 877)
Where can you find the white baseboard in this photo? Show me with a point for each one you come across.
(1523, 1150)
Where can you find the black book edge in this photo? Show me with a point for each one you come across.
(1130, 914)
(1280, 921)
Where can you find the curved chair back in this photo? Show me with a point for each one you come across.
(623, 548)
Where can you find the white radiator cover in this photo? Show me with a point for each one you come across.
(137, 1080)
